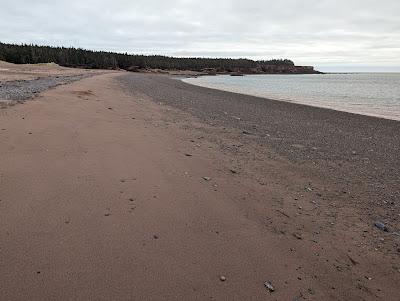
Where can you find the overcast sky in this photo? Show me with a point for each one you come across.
(329, 34)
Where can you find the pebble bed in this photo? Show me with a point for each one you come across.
(26, 89)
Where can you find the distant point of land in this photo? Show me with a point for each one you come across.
(89, 59)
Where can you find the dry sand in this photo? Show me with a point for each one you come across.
(108, 195)
(13, 72)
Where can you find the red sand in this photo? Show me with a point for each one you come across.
(100, 201)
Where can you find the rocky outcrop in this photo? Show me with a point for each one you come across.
(264, 69)
(286, 69)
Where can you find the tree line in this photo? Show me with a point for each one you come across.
(81, 58)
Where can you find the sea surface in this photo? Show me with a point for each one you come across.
(374, 94)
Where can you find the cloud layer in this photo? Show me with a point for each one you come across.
(325, 33)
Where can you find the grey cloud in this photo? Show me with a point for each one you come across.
(311, 32)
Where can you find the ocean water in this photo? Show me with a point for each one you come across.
(374, 94)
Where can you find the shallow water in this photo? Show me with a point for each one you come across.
(375, 94)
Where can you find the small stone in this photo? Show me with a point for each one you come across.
(298, 236)
(188, 155)
(233, 171)
(107, 214)
(268, 285)
(207, 178)
(222, 278)
(155, 236)
(381, 226)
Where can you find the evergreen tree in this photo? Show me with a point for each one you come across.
(72, 57)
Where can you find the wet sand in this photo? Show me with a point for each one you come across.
(121, 187)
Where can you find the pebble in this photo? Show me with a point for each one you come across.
(381, 226)
(207, 178)
(298, 236)
(269, 286)
(222, 278)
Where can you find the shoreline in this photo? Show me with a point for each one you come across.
(142, 186)
(358, 152)
(293, 101)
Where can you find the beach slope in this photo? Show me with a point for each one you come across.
(116, 187)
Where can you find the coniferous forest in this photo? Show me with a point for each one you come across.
(81, 58)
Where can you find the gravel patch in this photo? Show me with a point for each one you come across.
(359, 153)
(25, 89)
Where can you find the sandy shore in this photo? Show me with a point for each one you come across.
(141, 187)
